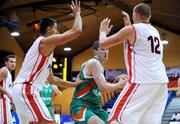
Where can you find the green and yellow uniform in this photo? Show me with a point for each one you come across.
(86, 100)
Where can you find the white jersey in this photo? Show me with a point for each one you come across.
(35, 68)
(7, 83)
(5, 113)
(144, 58)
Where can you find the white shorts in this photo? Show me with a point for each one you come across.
(29, 105)
(140, 104)
(5, 111)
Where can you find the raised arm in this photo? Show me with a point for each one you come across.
(61, 83)
(96, 69)
(126, 33)
(126, 18)
(48, 44)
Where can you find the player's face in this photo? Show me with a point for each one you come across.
(103, 54)
(11, 64)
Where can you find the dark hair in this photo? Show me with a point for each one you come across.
(46, 22)
(9, 56)
(143, 10)
(95, 45)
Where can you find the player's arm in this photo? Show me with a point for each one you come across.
(48, 44)
(126, 33)
(56, 90)
(95, 68)
(126, 18)
(61, 83)
(7, 93)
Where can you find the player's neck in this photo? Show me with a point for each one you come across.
(97, 58)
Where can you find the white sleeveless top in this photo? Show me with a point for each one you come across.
(35, 68)
(6, 84)
(144, 58)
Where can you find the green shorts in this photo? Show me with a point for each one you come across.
(80, 112)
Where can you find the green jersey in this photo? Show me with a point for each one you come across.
(86, 100)
(46, 94)
(87, 91)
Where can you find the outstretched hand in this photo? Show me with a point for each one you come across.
(76, 7)
(105, 26)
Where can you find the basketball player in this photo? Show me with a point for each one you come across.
(47, 93)
(178, 91)
(35, 70)
(143, 99)
(5, 85)
(85, 107)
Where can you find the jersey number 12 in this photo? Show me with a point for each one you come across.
(154, 47)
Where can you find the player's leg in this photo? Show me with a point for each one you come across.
(101, 113)
(132, 104)
(95, 120)
(156, 109)
(31, 104)
(121, 103)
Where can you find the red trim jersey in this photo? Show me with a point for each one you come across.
(144, 58)
(35, 68)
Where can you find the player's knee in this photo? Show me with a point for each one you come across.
(95, 120)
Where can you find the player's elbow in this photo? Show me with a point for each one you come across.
(77, 31)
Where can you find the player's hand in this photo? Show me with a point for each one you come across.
(105, 26)
(126, 18)
(10, 97)
(121, 80)
(13, 107)
(122, 77)
(78, 80)
(75, 6)
(178, 93)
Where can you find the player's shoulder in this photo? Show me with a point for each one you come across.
(4, 69)
(93, 61)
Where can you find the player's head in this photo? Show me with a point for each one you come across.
(141, 13)
(10, 62)
(48, 26)
(101, 53)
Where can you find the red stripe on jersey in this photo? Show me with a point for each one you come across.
(86, 89)
(129, 62)
(4, 111)
(34, 104)
(121, 103)
(43, 60)
(129, 100)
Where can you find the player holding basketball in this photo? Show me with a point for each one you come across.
(143, 99)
